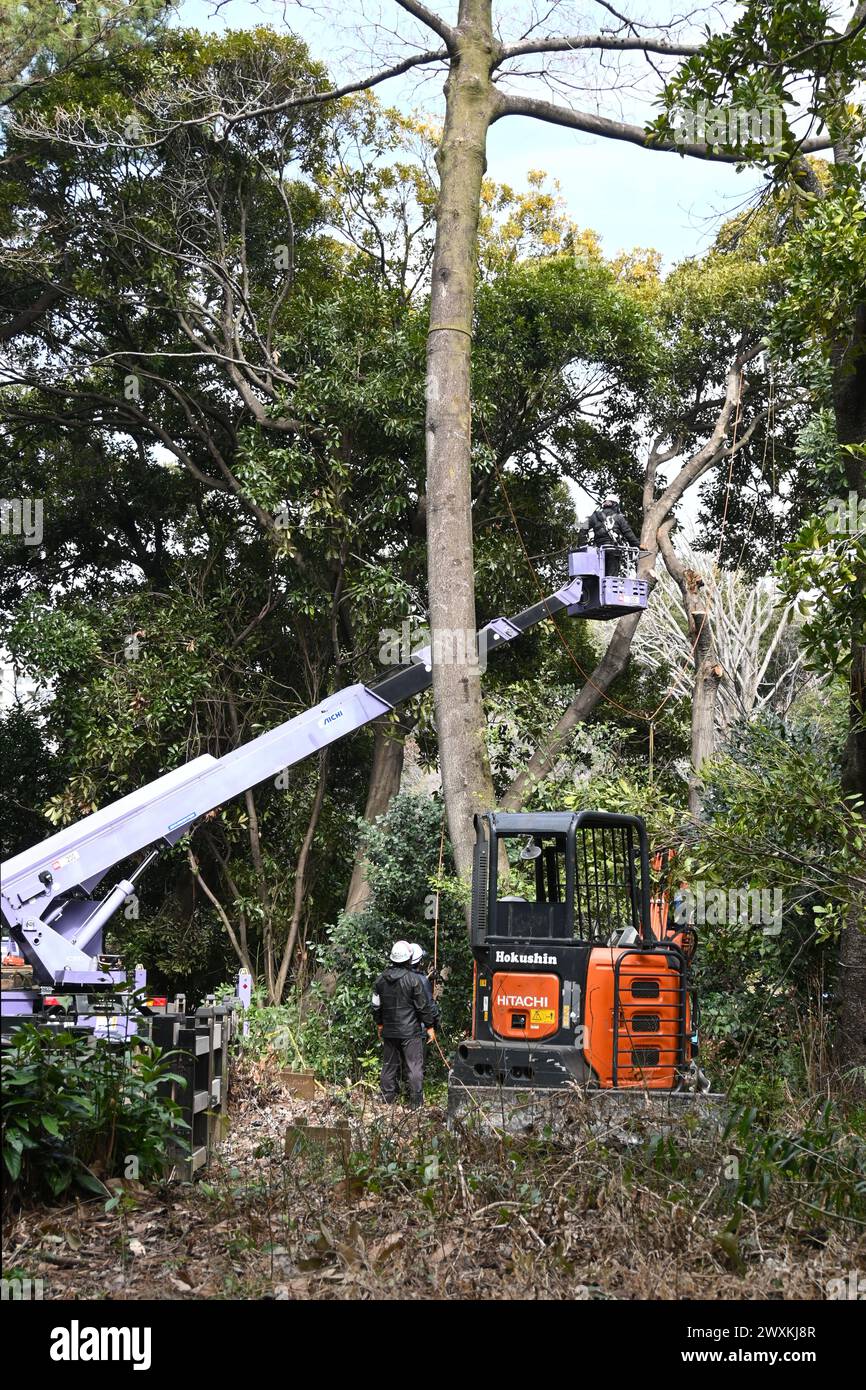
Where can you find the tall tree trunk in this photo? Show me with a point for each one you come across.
(389, 739)
(849, 406)
(849, 401)
(277, 977)
(460, 721)
(708, 672)
(848, 389)
(848, 359)
(705, 693)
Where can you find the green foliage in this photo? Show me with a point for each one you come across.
(185, 954)
(825, 568)
(251, 599)
(704, 311)
(74, 1108)
(793, 1167)
(564, 319)
(390, 1164)
(245, 601)
(606, 764)
(822, 1162)
(154, 682)
(788, 56)
(52, 641)
(774, 820)
(273, 1030)
(818, 446)
(42, 37)
(30, 779)
(822, 264)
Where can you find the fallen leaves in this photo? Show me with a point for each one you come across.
(382, 1249)
(442, 1252)
(318, 1228)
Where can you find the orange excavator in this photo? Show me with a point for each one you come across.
(581, 971)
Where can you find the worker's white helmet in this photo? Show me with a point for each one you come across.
(418, 952)
(401, 953)
(611, 500)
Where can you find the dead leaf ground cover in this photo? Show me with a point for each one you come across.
(418, 1212)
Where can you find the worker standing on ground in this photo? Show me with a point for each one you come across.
(608, 527)
(417, 963)
(403, 1012)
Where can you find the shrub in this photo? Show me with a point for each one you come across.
(338, 1037)
(74, 1107)
(821, 1161)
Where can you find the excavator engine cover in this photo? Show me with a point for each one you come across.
(525, 1006)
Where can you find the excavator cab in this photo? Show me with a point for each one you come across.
(571, 985)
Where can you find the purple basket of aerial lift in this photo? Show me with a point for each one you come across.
(609, 587)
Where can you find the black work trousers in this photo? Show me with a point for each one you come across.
(403, 1059)
(615, 561)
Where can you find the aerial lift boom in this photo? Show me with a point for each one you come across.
(48, 906)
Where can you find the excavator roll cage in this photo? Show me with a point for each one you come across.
(591, 877)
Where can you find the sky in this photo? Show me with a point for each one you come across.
(629, 196)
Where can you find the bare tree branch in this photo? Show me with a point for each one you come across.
(572, 43)
(22, 320)
(301, 872)
(241, 954)
(433, 21)
(363, 84)
(512, 105)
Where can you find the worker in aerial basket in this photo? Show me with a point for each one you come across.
(608, 527)
(401, 1009)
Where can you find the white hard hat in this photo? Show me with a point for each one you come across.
(401, 952)
(611, 500)
(418, 952)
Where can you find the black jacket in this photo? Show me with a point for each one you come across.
(400, 1003)
(428, 990)
(608, 526)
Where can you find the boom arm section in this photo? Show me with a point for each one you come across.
(46, 901)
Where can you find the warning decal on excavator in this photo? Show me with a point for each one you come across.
(542, 1015)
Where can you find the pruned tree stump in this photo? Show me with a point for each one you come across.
(300, 1083)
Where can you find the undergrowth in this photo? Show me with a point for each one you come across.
(77, 1111)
